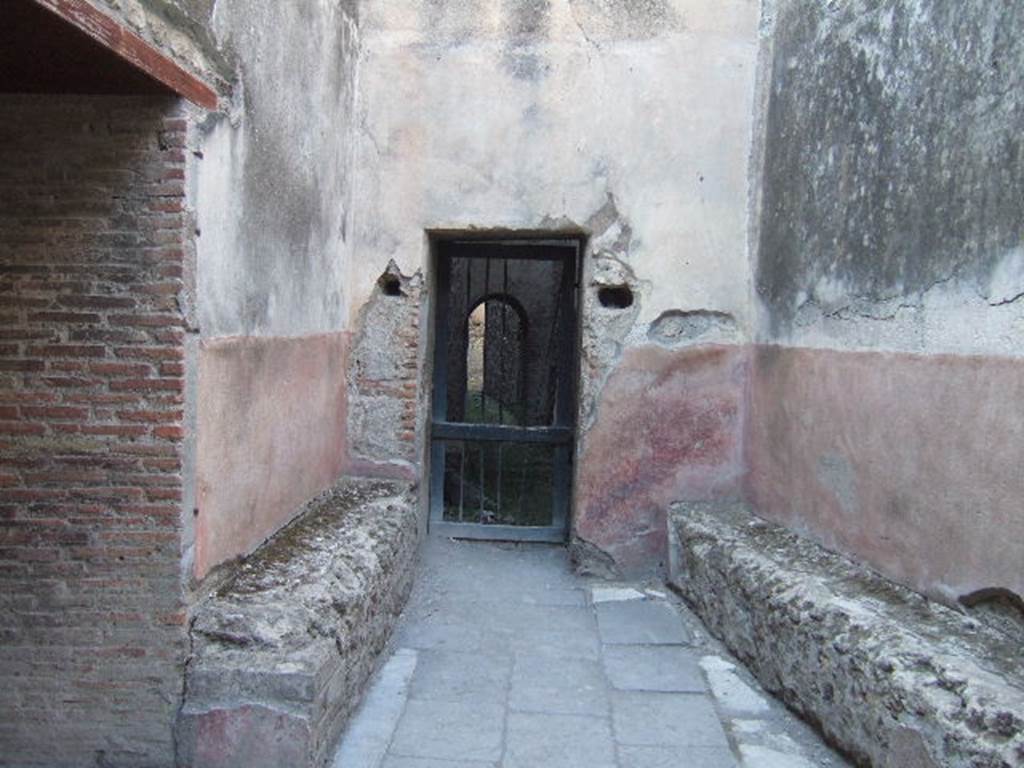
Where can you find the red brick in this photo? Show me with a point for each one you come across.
(64, 317)
(22, 365)
(172, 369)
(150, 353)
(148, 385)
(22, 428)
(150, 417)
(148, 321)
(169, 432)
(120, 369)
(92, 348)
(114, 430)
(67, 350)
(54, 412)
(97, 302)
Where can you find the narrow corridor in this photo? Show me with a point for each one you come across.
(504, 657)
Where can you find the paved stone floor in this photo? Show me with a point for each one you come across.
(505, 658)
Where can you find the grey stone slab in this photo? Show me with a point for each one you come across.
(453, 676)
(521, 620)
(445, 636)
(450, 731)
(419, 762)
(649, 719)
(558, 741)
(558, 685)
(636, 622)
(373, 724)
(558, 645)
(555, 597)
(670, 668)
(676, 757)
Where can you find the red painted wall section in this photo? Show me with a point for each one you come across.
(909, 463)
(272, 434)
(669, 428)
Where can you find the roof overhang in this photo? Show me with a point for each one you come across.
(83, 18)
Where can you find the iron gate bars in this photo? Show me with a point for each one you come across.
(504, 400)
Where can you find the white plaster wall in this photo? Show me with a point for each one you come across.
(533, 114)
(274, 178)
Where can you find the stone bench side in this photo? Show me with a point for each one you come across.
(894, 680)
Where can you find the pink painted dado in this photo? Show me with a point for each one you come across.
(912, 464)
(668, 428)
(272, 434)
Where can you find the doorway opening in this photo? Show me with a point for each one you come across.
(503, 417)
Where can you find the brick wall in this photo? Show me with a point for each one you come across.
(92, 241)
(384, 380)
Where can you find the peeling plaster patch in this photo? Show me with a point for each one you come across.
(677, 327)
(605, 330)
(384, 369)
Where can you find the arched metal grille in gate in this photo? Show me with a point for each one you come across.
(503, 414)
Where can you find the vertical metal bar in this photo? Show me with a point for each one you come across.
(462, 480)
(487, 320)
(465, 312)
(562, 475)
(560, 486)
(483, 484)
(501, 349)
(440, 394)
(500, 461)
(437, 461)
(566, 339)
(442, 335)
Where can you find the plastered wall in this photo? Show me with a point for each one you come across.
(889, 282)
(629, 122)
(272, 187)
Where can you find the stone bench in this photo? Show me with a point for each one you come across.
(282, 651)
(895, 680)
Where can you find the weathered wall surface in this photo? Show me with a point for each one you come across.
(272, 190)
(627, 121)
(911, 462)
(93, 281)
(272, 443)
(385, 412)
(669, 429)
(893, 219)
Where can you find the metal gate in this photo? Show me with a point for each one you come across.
(504, 406)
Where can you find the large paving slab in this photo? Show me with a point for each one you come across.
(505, 658)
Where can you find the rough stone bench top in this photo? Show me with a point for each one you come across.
(294, 633)
(892, 676)
(294, 590)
